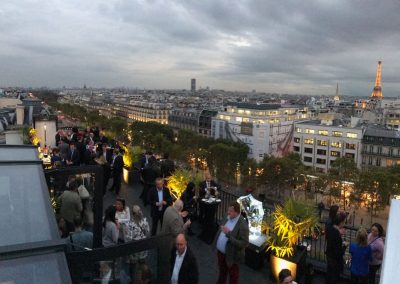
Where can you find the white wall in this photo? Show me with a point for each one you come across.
(51, 131)
(14, 137)
(391, 263)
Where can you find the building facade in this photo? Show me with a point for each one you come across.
(193, 85)
(196, 120)
(320, 143)
(181, 118)
(267, 129)
(381, 147)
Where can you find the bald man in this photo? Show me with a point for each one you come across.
(184, 269)
(173, 220)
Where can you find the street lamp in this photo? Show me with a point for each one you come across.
(45, 136)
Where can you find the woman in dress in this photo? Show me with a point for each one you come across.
(375, 241)
(122, 215)
(137, 228)
(110, 227)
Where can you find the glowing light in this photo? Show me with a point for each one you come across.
(178, 181)
(277, 264)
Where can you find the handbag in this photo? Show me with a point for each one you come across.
(83, 192)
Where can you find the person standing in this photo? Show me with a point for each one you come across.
(335, 250)
(70, 205)
(64, 149)
(73, 156)
(117, 167)
(159, 199)
(173, 220)
(167, 166)
(110, 227)
(231, 241)
(184, 268)
(207, 186)
(149, 175)
(80, 239)
(375, 241)
(361, 254)
(333, 211)
(137, 228)
(122, 215)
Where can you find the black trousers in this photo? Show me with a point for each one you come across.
(333, 270)
(372, 273)
(117, 183)
(357, 279)
(145, 193)
(155, 217)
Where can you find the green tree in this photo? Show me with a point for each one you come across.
(342, 174)
(374, 188)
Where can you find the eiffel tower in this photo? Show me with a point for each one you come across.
(377, 92)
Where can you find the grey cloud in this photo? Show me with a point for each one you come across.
(276, 46)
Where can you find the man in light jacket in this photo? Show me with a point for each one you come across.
(231, 242)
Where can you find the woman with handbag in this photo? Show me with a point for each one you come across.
(375, 241)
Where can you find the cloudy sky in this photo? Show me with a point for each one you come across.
(286, 46)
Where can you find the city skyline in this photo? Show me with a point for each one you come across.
(287, 47)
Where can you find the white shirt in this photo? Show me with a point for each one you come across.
(222, 239)
(160, 198)
(177, 267)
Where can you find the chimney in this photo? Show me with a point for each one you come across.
(20, 114)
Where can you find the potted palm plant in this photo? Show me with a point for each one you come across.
(287, 226)
(178, 181)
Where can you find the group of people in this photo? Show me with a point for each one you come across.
(90, 147)
(123, 225)
(366, 251)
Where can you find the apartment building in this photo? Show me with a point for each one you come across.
(196, 120)
(320, 142)
(381, 147)
(266, 128)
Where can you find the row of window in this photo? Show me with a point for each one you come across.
(390, 152)
(323, 152)
(310, 141)
(370, 161)
(322, 161)
(326, 133)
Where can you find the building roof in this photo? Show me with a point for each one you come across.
(336, 124)
(381, 132)
(30, 246)
(8, 102)
(255, 106)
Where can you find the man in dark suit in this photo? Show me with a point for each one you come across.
(149, 175)
(167, 166)
(159, 199)
(73, 158)
(210, 186)
(184, 269)
(117, 166)
(231, 242)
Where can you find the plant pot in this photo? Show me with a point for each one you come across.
(296, 263)
(131, 176)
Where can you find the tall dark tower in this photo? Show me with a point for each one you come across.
(193, 85)
(377, 92)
